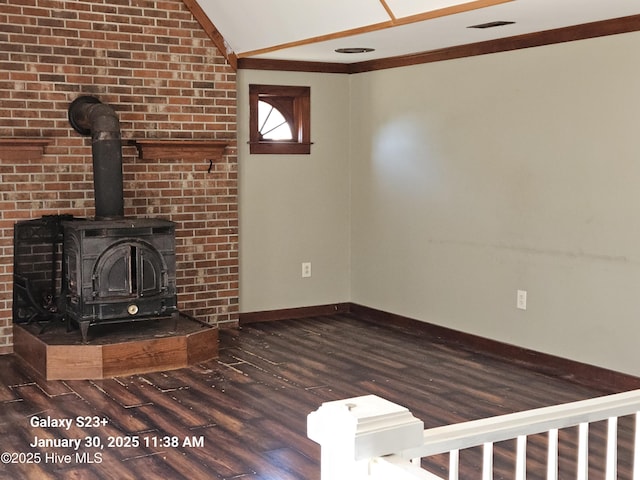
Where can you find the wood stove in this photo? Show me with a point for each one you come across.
(118, 271)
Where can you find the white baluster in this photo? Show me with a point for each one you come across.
(552, 455)
(521, 458)
(487, 461)
(454, 464)
(583, 451)
(612, 449)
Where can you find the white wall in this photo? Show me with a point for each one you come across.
(295, 208)
(436, 191)
(476, 177)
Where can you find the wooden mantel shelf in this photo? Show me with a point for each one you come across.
(167, 149)
(22, 148)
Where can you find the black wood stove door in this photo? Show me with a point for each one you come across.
(129, 269)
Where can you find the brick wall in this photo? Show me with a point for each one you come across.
(162, 75)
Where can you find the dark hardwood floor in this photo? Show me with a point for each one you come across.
(243, 416)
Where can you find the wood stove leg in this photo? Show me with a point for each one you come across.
(84, 329)
(176, 318)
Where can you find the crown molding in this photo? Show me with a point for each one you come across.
(248, 63)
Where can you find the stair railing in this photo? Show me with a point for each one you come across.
(371, 438)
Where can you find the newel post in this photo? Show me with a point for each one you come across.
(353, 431)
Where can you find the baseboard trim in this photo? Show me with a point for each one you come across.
(292, 313)
(605, 380)
(609, 381)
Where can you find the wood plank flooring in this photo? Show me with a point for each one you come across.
(249, 407)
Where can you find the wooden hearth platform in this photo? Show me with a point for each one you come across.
(116, 349)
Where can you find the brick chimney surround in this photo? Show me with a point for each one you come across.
(175, 95)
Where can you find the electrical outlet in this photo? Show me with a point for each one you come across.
(306, 269)
(521, 299)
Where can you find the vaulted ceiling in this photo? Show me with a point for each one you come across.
(312, 30)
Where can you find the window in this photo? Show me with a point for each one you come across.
(279, 119)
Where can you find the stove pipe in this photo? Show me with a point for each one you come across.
(89, 116)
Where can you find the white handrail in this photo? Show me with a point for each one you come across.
(506, 427)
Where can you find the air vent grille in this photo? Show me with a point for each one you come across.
(497, 23)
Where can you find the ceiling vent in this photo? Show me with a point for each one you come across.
(354, 50)
(498, 23)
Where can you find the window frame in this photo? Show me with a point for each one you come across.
(294, 102)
